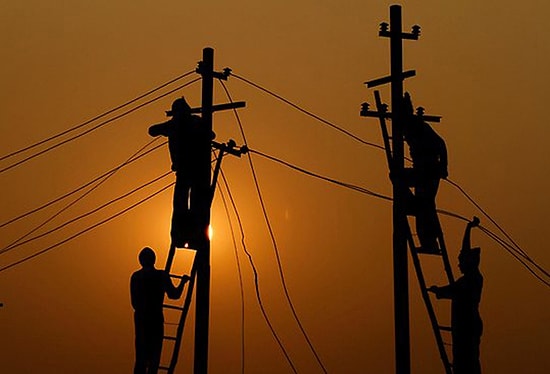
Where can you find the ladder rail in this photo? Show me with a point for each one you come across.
(436, 327)
(444, 254)
(428, 303)
(183, 317)
(184, 309)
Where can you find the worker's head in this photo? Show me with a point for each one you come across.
(468, 260)
(147, 257)
(179, 108)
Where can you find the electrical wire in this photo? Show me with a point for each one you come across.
(334, 181)
(516, 246)
(101, 124)
(307, 112)
(36, 254)
(508, 247)
(95, 210)
(66, 207)
(60, 198)
(487, 215)
(96, 117)
(240, 276)
(256, 277)
(274, 242)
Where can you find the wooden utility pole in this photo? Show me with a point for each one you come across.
(202, 257)
(397, 171)
(202, 303)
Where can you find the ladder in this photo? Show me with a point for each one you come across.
(172, 341)
(416, 252)
(438, 328)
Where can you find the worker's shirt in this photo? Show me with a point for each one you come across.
(147, 289)
(428, 150)
(189, 143)
(465, 294)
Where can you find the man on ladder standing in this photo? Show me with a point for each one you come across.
(189, 143)
(465, 293)
(429, 157)
(147, 288)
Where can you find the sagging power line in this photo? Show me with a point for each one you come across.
(101, 124)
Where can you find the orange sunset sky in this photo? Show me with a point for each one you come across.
(482, 65)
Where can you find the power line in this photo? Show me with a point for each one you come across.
(35, 210)
(85, 230)
(101, 124)
(307, 112)
(516, 246)
(509, 248)
(9, 248)
(96, 117)
(240, 275)
(312, 174)
(256, 277)
(485, 214)
(274, 242)
(66, 207)
(506, 246)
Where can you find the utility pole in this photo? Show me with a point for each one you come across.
(202, 257)
(397, 172)
(202, 303)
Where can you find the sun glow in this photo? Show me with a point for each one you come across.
(210, 232)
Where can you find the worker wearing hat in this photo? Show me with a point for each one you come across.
(189, 143)
(465, 294)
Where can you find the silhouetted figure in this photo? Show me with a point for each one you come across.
(189, 143)
(147, 288)
(465, 293)
(429, 157)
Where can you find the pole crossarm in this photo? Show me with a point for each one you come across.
(389, 78)
(219, 107)
(387, 33)
(231, 148)
(383, 113)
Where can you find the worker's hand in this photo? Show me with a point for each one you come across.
(433, 289)
(444, 173)
(185, 278)
(474, 222)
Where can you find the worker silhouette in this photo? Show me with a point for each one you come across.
(189, 143)
(429, 157)
(147, 288)
(465, 293)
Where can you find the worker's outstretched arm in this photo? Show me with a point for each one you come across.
(175, 292)
(466, 242)
(445, 292)
(160, 129)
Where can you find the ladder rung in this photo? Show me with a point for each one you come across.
(436, 252)
(164, 368)
(170, 338)
(172, 307)
(445, 328)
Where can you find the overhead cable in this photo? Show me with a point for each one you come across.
(89, 228)
(274, 242)
(53, 137)
(101, 124)
(256, 277)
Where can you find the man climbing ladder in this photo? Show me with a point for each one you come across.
(465, 293)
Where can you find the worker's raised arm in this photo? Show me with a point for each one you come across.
(466, 243)
(163, 129)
